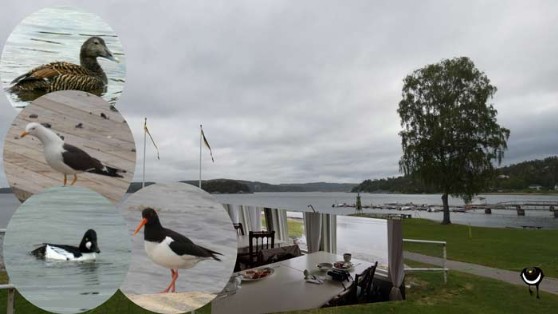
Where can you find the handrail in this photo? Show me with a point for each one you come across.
(11, 291)
(445, 257)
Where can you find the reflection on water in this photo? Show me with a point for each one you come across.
(61, 215)
(56, 34)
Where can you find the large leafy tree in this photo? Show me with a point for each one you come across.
(450, 135)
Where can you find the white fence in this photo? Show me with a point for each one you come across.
(444, 260)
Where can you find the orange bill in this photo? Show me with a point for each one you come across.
(140, 225)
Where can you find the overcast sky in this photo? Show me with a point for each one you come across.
(304, 91)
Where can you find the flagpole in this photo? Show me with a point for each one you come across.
(144, 145)
(199, 184)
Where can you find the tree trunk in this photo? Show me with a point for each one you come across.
(445, 205)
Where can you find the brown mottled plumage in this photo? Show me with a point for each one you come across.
(55, 76)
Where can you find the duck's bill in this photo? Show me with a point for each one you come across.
(111, 57)
(23, 134)
(140, 225)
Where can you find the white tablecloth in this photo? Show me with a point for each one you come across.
(286, 289)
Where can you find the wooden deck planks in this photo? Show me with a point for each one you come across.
(109, 140)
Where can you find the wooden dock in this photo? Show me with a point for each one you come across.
(534, 205)
(104, 134)
(179, 302)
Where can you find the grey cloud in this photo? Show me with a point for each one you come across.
(296, 91)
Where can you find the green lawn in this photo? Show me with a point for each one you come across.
(116, 304)
(510, 249)
(464, 293)
(296, 227)
(427, 293)
(505, 248)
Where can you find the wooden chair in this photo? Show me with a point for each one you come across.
(259, 240)
(239, 228)
(364, 284)
(358, 292)
(346, 297)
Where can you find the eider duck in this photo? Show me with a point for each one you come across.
(86, 251)
(66, 158)
(55, 76)
(170, 249)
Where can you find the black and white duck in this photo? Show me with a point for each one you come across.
(86, 251)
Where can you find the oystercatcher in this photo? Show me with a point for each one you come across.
(66, 158)
(86, 251)
(169, 248)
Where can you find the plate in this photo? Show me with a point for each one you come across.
(342, 265)
(256, 274)
(324, 266)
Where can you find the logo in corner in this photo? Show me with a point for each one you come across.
(532, 276)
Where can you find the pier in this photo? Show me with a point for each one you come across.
(521, 207)
(530, 205)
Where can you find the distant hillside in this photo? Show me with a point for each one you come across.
(299, 187)
(241, 186)
(222, 186)
(528, 176)
(534, 174)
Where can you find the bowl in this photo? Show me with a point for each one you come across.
(325, 266)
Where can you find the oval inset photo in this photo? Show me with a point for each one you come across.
(67, 249)
(62, 48)
(183, 249)
(69, 138)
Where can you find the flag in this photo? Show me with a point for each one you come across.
(206, 144)
(151, 137)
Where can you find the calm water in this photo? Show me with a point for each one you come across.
(322, 202)
(56, 34)
(62, 215)
(353, 235)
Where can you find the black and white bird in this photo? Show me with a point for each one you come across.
(66, 158)
(86, 251)
(88, 76)
(169, 248)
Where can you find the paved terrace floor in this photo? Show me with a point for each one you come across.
(548, 284)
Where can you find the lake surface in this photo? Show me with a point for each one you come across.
(323, 201)
(347, 228)
(62, 215)
(56, 34)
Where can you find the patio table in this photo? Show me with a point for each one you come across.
(286, 289)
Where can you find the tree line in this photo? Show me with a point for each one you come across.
(528, 176)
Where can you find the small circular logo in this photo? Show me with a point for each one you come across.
(532, 276)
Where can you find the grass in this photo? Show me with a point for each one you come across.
(426, 293)
(295, 227)
(464, 293)
(118, 303)
(505, 248)
(510, 249)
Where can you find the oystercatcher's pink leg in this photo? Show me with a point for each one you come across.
(174, 275)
